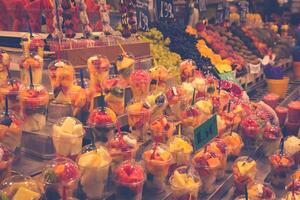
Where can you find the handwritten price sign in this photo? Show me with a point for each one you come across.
(143, 16)
(165, 10)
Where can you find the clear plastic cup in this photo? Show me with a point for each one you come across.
(158, 103)
(175, 97)
(67, 137)
(234, 144)
(125, 66)
(271, 139)
(129, 178)
(36, 64)
(140, 84)
(157, 160)
(281, 167)
(94, 169)
(52, 70)
(34, 44)
(34, 102)
(191, 117)
(19, 187)
(181, 149)
(60, 178)
(122, 147)
(11, 90)
(244, 172)
(7, 158)
(187, 70)
(98, 67)
(185, 185)
(207, 165)
(138, 119)
(162, 129)
(250, 132)
(159, 78)
(11, 130)
(260, 191)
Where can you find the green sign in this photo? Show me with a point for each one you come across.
(205, 132)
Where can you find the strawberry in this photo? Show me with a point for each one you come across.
(70, 172)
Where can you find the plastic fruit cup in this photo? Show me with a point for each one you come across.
(11, 90)
(6, 162)
(34, 102)
(259, 191)
(234, 144)
(271, 100)
(36, 64)
(60, 178)
(115, 100)
(190, 118)
(99, 68)
(175, 98)
(281, 167)
(181, 154)
(162, 129)
(158, 102)
(129, 178)
(250, 132)
(157, 170)
(294, 112)
(185, 192)
(52, 67)
(94, 168)
(240, 179)
(67, 144)
(140, 84)
(17, 186)
(11, 130)
(281, 113)
(271, 139)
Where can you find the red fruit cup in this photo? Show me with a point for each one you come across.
(271, 99)
(294, 112)
(140, 84)
(281, 114)
(250, 132)
(6, 160)
(129, 178)
(292, 128)
(11, 89)
(271, 139)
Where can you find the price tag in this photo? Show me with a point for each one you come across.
(205, 132)
(165, 10)
(254, 69)
(142, 15)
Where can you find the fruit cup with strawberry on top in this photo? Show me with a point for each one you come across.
(250, 132)
(122, 147)
(187, 70)
(34, 101)
(207, 164)
(157, 160)
(175, 97)
(129, 178)
(11, 90)
(138, 119)
(139, 82)
(6, 159)
(36, 64)
(161, 129)
(190, 119)
(60, 178)
(271, 139)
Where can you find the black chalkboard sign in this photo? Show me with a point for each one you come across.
(142, 15)
(165, 10)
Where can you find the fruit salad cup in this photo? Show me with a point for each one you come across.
(292, 147)
(140, 84)
(206, 108)
(161, 129)
(234, 144)
(190, 119)
(115, 100)
(244, 172)
(281, 165)
(11, 90)
(181, 149)
(36, 64)
(207, 164)
(187, 70)
(159, 78)
(175, 97)
(271, 139)
(158, 103)
(289, 195)
(185, 185)
(34, 44)
(6, 159)
(94, 169)
(34, 102)
(129, 178)
(67, 137)
(98, 69)
(52, 70)
(20, 187)
(250, 132)
(4, 66)
(102, 120)
(60, 178)
(125, 66)
(11, 130)
(157, 160)
(122, 147)
(260, 191)
(138, 119)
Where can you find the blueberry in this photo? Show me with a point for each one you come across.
(160, 100)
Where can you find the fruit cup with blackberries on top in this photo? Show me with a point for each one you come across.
(122, 147)
(102, 120)
(138, 119)
(281, 166)
(11, 130)
(94, 164)
(251, 131)
(244, 173)
(207, 164)
(34, 102)
(125, 66)
(185, 184)
(234, 144)
(67, 137)
(157, 160)
(36, 64)
(60, 178)
(187, 70)
(19, 187)
(139, 82)
(11, 89)
(175, 97)
(162, 129)
(158, 103)
(260, 191)
(190, 119)
(271, 139)
(6, 159)
(129, 178)
(181, 149)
